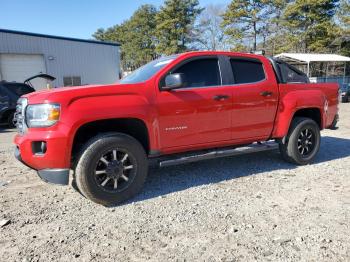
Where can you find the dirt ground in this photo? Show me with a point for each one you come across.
(252, 207)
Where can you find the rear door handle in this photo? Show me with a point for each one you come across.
(220, 97)
(266, 93)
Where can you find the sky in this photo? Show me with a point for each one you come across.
(71, 18)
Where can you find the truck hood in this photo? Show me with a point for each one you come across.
(66, 94)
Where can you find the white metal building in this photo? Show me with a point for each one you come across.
(71, 61)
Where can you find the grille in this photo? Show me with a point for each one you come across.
(20, 115)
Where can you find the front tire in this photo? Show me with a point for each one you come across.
(111, 169)
(302, 142)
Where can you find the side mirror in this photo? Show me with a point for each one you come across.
(174, 81)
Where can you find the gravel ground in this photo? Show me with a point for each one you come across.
(252, 207)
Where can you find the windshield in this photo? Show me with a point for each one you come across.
(19, 89)
(147, 71)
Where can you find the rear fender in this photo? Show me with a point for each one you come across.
(294, 101)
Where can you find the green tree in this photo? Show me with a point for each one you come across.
(342, 42)
(311, 23)
(174, 25)
(141, 42)
(275, 36)
(99, 34)
(245, 20)
(208, 33)
(343, 15)
(136, 36)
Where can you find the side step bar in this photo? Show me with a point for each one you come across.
(253, 148)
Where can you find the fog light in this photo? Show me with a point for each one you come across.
(39, 147)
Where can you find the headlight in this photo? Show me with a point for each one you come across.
(42, 115)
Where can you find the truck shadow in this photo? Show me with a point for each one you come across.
(168, 180)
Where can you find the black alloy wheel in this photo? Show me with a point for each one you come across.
(115, 170)
(306, 142)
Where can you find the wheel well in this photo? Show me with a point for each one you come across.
(133, 127)
(312, 113)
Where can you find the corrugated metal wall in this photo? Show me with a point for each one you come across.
(94, 63)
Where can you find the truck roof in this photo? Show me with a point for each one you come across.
(222, 53)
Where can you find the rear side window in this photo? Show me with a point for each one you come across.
(291, 75)
(247, 71)
(201, 73)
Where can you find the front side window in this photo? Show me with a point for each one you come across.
(247, 71)
(200, 73)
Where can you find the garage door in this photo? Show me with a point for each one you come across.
(18, 67)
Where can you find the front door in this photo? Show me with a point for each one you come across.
(198, 113)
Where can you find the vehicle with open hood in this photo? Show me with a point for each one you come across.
(10, 92)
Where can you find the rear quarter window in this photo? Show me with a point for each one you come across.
(247, 71)
(292, 75)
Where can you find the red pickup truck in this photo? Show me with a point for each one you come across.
(176, 109)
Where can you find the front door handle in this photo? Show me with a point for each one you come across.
(266, 93)
(221, 97)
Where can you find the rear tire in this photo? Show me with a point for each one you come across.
(111, 169)
(302, 142)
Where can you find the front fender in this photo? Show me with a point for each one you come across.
(293, 101)
(90, 109)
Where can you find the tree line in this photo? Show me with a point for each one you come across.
(243, 25)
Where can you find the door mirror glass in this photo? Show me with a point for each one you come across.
(174, 81)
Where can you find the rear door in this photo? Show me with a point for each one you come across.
(200, 112)
(255, 98)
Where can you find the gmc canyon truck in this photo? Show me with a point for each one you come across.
(173, 110)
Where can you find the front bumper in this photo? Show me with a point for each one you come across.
(56, 154)
(59, 176)
(55, 176)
